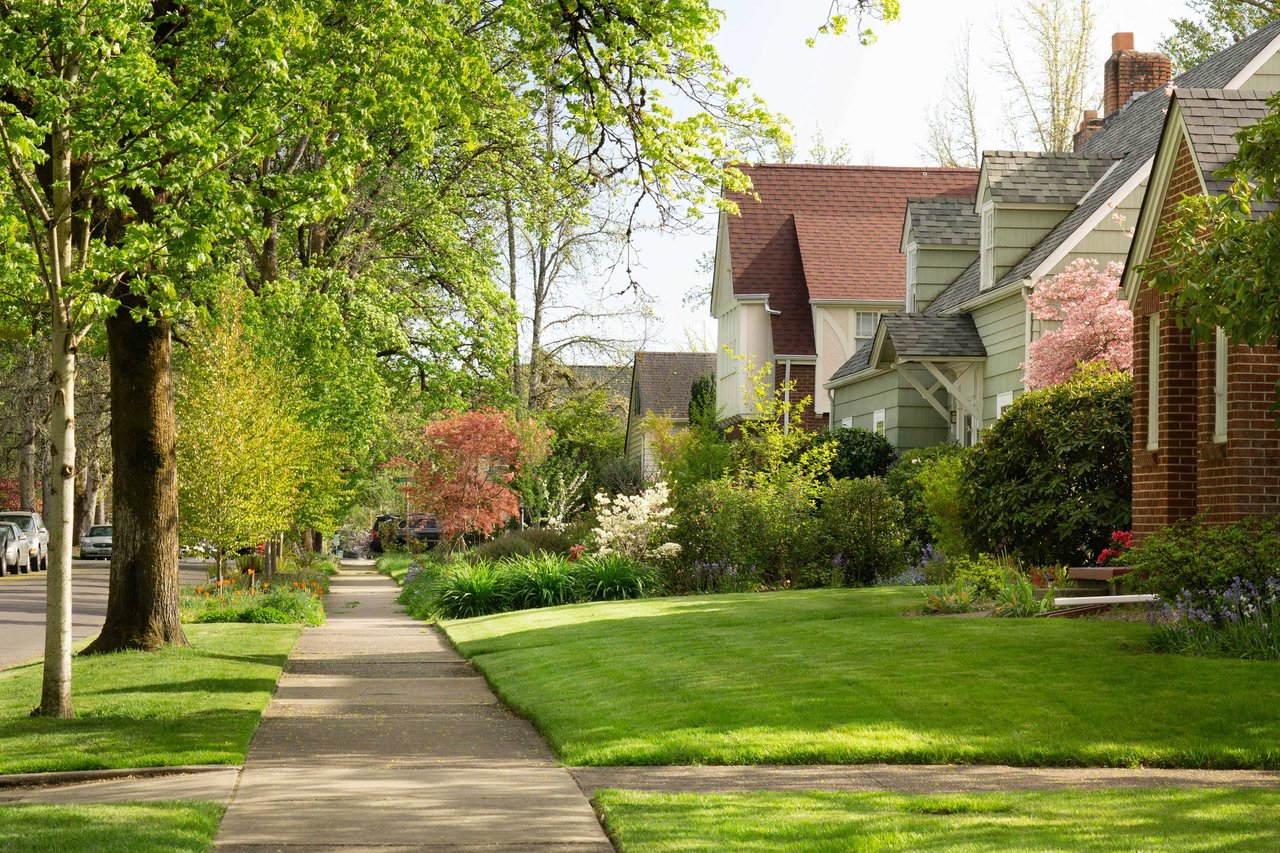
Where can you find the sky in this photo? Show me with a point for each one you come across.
(873, 98)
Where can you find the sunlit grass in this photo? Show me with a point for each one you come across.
(115, 828)
(1102, 821)
(198, 705)
(841, 676)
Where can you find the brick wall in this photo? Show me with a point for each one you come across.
(803, 375)
(1189, 473)
(1129, 72)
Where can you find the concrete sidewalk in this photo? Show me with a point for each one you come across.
(381, 736)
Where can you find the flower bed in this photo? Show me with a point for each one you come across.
(1241, 621)
(288, 598)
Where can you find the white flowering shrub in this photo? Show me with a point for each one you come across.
(636, 525)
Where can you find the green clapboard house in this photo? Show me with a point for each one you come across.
(949, 364)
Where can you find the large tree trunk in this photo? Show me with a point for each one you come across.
(88, 482)
(512, 281)
(142, 602)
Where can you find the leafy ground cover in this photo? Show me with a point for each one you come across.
(198, 705)
(1179, 820)
(841, 676)
(101, 828)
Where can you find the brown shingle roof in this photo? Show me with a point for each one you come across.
(827, 232)
(664, 380)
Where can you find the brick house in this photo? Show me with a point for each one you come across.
(804, 272)
(1205, 436)
(924, 375)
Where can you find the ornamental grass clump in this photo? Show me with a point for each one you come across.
(475, 589)
(540, 580)
(613, 577)
(1020, 597)
(1241, 621)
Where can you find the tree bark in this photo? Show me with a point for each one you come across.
(88, 482)
(142, 600)
(512, 280)
(27, 449)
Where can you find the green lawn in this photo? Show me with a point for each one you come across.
(115, 828)
(198, 705)
(395, 566)
(1104, 821)
(840, 676)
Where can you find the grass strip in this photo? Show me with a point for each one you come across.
(842, 677)
(198, 705)
(156, 827)
(395, 566)
(1103, 821)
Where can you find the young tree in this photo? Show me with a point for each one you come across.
(464, 478)
(1050, 86)
(952, 135)
(1095, 324)
(244, 455)
(1214, 25)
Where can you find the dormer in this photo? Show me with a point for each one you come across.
(939, 240)
(1022, 195)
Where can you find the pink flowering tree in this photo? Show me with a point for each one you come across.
(1096, 325)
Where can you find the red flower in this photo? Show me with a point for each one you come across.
(576, 551)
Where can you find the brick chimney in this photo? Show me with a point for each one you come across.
(1089, 125)
(1130, 72)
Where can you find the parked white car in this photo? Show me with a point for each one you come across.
(15, 550)
(95, 544)
(32, 525)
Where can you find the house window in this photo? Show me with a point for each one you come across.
(1003, 401)
(1153, 382)
(877, 422)
(864, 328)
(987, 246)
(847, 423)
(912, 261)
(1220, 351)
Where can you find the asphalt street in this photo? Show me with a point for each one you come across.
(22, 607)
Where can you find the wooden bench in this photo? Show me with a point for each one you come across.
(1098, 574)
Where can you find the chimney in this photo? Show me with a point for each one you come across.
(1089, 125)
(1130, 72)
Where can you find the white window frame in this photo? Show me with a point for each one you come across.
(1003, 401)
(859, 340)
(846, 423)
(878, 422)
(986, 247)
(1153, 382)
(913, 272)
(1221, 353)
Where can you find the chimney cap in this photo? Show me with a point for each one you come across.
(1121, 41)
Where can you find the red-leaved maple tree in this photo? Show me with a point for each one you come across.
(9, 493)
(465, 475)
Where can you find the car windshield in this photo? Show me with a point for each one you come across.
(103, 530)
(24, 522)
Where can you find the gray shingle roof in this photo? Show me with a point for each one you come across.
(663, 381)
(920, 336)
(1213, 117)
(859, 361)
(944, 221)
(1043, 177)
(1134, 133)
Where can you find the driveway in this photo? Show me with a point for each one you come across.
(22, 607)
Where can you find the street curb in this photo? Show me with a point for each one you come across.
(71, 777)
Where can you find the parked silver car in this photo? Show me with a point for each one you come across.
(96, 543)
(32, 525)
(15, 550)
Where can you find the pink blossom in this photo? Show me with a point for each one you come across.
(1096, 325)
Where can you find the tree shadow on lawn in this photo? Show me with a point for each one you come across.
(813, 680)
(196, 685)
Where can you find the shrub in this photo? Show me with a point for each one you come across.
(692, 455)
(862, 527)
(905, 482)
(860, 453)
(943, 498)
(636, 526)
(1242, 621)
(542, 580)
(1050, 480)
(703, 578)
(1193, 556)
(983, 574)
(521, 543)
(612, 577)
(952, 597)
(475, 589)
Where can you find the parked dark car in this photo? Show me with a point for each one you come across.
(418, 526)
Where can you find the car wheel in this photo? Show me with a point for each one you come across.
(4, 565)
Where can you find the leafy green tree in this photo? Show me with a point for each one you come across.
(244, 458)
(1222, 264)
(1214, 25)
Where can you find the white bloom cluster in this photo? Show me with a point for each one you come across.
(634, 525)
